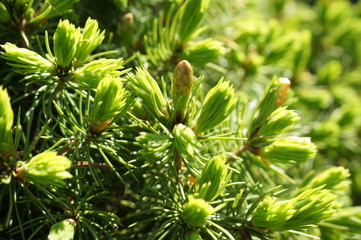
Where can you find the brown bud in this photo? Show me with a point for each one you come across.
(182, 78)
(282, 91)
(97, 127)
(20, 173)
(128, 20)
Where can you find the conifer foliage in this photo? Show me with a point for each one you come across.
(180, 119)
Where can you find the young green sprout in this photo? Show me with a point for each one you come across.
(185, 140)
(200, 53)
(25, 60)
(154, 146)
(278, 122)
(46, 168)
(146, 88)
(73, 45)
(334, 179)
(218, 105)
(4, 15)
(213, 179)
(6, 123)
(290, 150)
(111, 101)
(90, 74)
(62, 230)
(309, 207)
(66, 38)
(273, 98)
(196, 212)
(90, 39)
(191, 17)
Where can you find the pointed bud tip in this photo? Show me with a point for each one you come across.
(128, 19)
(285, 81)
(184, 63)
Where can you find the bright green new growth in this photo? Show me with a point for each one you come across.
(63, 230)
(154, 146)
(73, 45)
(334, 179)
(347, 220)
(278, 122)
(26, 61)
(158, 172)
(191, 17)
(90, 39)
(218, 105)
(71, 48)
(138, 110)
(146, 88)
(307, 208)
(111, 100)
(289, 150)
(213, 179)
(4, 15)
(66, 38)
(274, 97)
(185, 141)
(312, 206)
(6, 123)
(196, 212)
(93, 72)
(200, 53)
(46, 168)
(272, 214)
